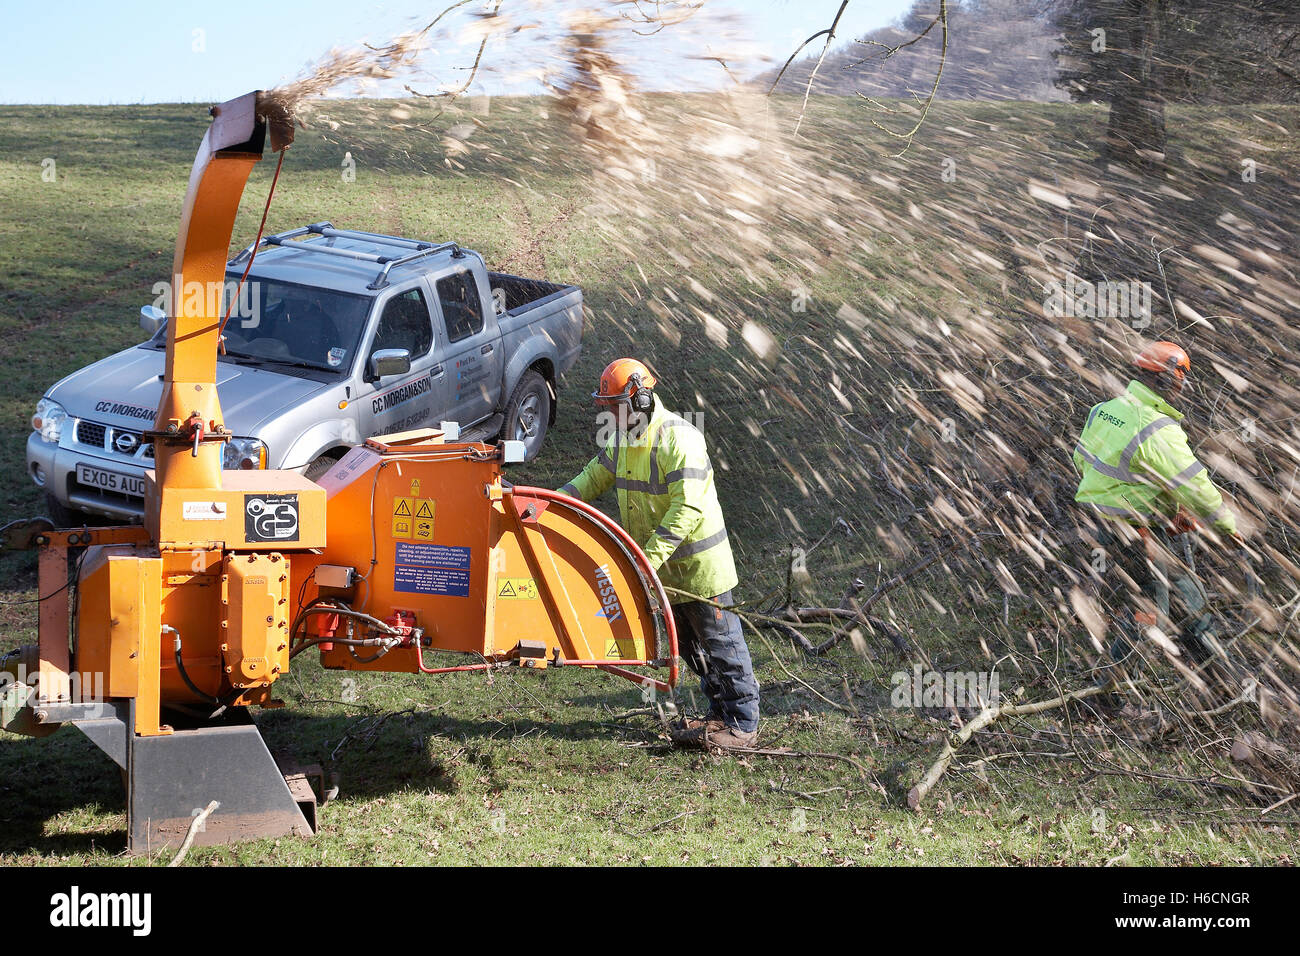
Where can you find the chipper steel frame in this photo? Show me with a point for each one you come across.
(158, 639)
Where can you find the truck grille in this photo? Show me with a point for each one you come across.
(108, 438)
(91, 433)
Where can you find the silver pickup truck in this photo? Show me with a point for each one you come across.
(336, 336)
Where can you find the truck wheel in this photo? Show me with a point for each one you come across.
(65, 517)
(319, 466)
(528, 413)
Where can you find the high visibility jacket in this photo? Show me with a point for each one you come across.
(667, 501)
(1136, 463)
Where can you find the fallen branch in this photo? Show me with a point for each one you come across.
(195, 826)
(859, 612)
(977, 723)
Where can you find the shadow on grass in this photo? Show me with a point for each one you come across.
(62, 796)
(58, 794)
(386, 752)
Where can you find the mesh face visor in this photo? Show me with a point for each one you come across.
(623, 397)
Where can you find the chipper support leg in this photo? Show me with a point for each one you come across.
(170, 779)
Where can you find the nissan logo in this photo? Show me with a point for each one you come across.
(125, 442)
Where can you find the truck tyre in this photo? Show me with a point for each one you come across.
(528, 413)
(319, 466)
(65, 517)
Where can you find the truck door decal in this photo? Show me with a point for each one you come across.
(390, 399)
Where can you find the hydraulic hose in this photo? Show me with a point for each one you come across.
(185, 676)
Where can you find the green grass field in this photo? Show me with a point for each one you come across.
(528, 769)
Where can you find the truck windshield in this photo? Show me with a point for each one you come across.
(282, 323)
(294, 324)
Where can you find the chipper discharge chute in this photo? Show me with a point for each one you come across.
(167, 633)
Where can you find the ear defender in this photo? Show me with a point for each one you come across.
(642, 395)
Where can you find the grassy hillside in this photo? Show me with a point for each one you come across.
(522, 769)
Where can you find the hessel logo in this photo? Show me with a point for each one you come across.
(611, 609)
(75, 909)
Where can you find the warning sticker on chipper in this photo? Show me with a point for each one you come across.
(525, 588)
(431, 569)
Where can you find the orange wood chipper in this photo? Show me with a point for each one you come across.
(157, 639)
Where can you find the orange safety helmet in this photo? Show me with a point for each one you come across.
(621, 381)
(1164, 357)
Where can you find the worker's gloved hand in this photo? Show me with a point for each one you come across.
(1183, 522)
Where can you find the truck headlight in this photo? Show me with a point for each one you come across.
(49, 419)
(246, 453)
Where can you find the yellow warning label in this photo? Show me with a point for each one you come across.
(415, 487)
(525, 588)
(413, 517)
(402, 517)
(621, 650)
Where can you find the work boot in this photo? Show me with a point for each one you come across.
(696, 727)
(729, 738)
(694, 723)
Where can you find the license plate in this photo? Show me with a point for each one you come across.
(111, 481)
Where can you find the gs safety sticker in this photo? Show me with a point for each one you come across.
(271, 517)
(431, 569)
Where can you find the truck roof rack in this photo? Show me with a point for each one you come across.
(419, 249)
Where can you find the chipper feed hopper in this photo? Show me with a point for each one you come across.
(155, 640)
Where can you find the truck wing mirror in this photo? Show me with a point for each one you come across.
(389, 362)
(152, 319)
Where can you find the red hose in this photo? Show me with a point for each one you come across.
(253, 255)
(638, 555)
(419, 659)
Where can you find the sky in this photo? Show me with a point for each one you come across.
(88, 51)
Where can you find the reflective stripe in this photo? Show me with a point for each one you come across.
(1217, 513)
(1122, 472)
(695, 547)
(635, 484)
(668, 535)
(1110, 471)
(1091, 415)
(569, 489)
(605, 460)
(681, 473)
(1126, 457)
(670, 421)
(1186, 475)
